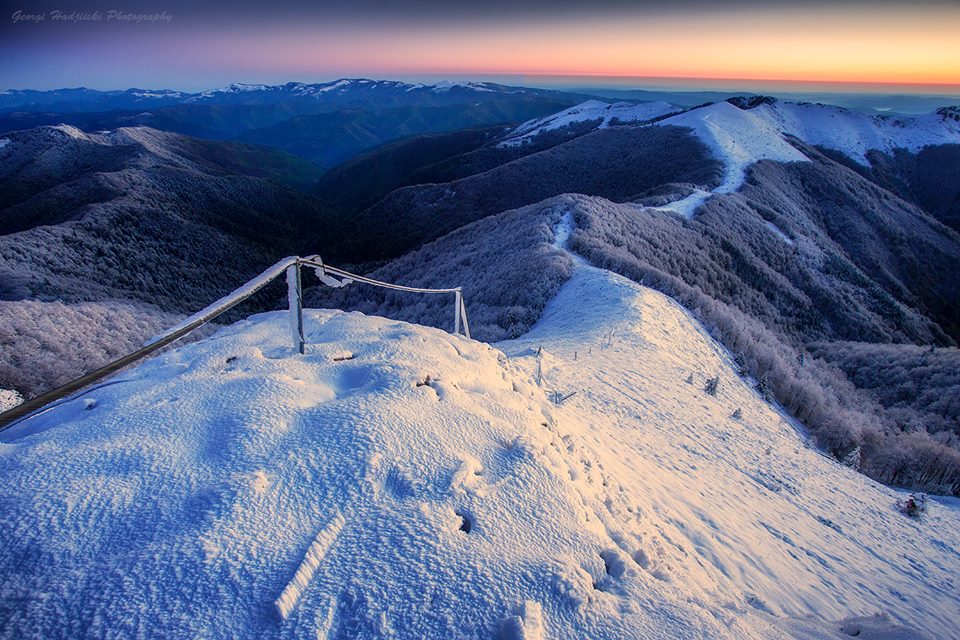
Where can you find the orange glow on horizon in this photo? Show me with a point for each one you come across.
(896, 46)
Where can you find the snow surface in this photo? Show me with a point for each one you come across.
(397, 480)
(70, 131)
(4, 142)
(624, 112)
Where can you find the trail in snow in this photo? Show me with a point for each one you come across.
(737, 512)
(738, 138)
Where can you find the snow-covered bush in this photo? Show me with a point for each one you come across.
(713, 384)
(914, 506)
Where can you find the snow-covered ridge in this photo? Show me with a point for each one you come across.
(855, 133)
(399, 481)
(163, 93)
(850, 132)
(622, 112)
(745, 130)
(737, 137)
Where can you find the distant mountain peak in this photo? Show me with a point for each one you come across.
(751, 102)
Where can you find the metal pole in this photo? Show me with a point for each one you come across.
(295, 300)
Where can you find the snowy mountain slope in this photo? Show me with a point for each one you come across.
(854, 133)
(738, 138)
(335, 89)
(257, 493)
(605, 113)
(743, 131)
(741, 513)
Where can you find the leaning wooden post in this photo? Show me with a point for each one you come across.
(456, 312)
(295, 299)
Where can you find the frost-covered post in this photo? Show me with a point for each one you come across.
(295, 299)
(457, 305)
(463, 314)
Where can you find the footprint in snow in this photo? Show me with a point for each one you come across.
(398, 484)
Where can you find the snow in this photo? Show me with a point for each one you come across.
(4, 142)
(240, 87)
(738, 138)
(315, 555)
(70, 131)
(624, 112)
(425, 487)
(447, 85)
(687, 205)
(157, 94)
(855, 133)
(339, 84)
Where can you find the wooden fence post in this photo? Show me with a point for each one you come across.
(456, 312)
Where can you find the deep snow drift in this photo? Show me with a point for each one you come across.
(397, 480)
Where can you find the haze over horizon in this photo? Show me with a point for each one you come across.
(851, 46)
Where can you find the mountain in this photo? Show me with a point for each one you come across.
(869, 103)
(331, 138)
(853, 133)
(83, 99)
(75, 204)
(363, 92)
(598, 114)
(780, 247)
(785, 251)
(345, 92)
(623, 162)
(359, 182)
(355, 490)
(326, 123)
(157, 221)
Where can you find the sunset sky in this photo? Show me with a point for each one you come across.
(910, 46)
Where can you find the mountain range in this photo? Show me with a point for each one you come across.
(692, 326)
(326, 123)
(801, 235)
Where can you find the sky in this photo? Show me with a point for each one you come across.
(846, 45)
